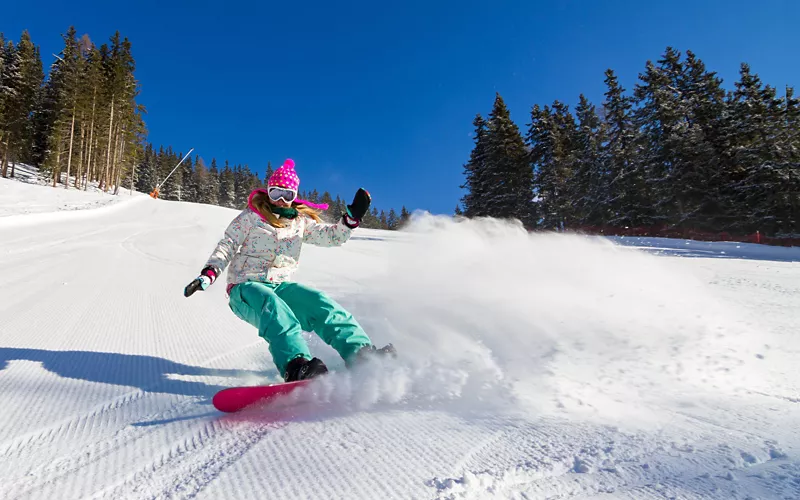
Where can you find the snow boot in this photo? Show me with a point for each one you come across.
(300, 369)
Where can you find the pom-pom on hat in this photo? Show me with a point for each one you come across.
(285, 176)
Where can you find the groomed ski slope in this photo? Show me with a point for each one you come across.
(25, 201)
(531, 366)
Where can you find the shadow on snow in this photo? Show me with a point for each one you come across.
(148, 373)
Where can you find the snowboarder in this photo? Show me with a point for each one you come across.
(262, 245)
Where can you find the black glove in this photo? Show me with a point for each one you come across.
(357, 209)
(206, 278)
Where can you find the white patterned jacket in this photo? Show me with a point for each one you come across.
(258, 251)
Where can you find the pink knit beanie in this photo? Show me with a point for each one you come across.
(285, 176)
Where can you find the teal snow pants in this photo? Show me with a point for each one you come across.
(282, 312)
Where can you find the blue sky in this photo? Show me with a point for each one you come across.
(382, 94)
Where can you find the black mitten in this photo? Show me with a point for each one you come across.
(357, 209)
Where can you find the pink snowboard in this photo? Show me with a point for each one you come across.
(234, 399)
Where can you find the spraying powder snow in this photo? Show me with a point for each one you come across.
(488, 316)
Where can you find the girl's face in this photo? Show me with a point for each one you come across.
(281, 203)
(281, 197)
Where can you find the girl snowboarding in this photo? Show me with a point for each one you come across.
(262, 245)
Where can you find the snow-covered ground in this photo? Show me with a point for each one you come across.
(25, 195)
(530, 366)
(708, 249)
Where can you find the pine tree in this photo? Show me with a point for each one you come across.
(201, 180)
(227, 187)
(24, 101)
(679, 110)
(5, 93)
(552, 140)
(189, 191)
(337, 208)
(268, 173)
(148, 173)
(10, 83)
(704, 146)
(371, 220)
(629, 200)
(591, 183)
(326, 198)
(405, 216)
(509, 179)
(124, 115)
(475, 200)
(564, 163)
(134, 142)
(170, 187)
(789, 165)
(63, 90)
(212, 184)
(392, 221)
(330, 215)
(384, 222)
(90, 101)
(245, 182)
(3, 89)
(659, 115)
(541, 143)
(758, 179)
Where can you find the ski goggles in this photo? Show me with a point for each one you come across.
(276, 193)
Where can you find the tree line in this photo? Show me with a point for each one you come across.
(82, 126)
(680, 151)
(83, 121)
(230, 186)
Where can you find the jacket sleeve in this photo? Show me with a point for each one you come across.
(325, 235)
(234, 236)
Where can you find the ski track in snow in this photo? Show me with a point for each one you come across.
(565, 368)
